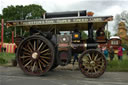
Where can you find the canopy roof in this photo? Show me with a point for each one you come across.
(115, 37)
(63, 23)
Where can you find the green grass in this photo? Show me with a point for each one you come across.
(112, 66)
(6, 57)
(118, 65)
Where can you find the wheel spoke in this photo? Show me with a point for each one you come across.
(31, 45)
(45, 57)
(98, 66)
(40, 65)
(43, 47)
(97, 63)
(27, 53)
(37, 44)
(99, 59)
(44, 51)
(34, 45)
(40, 46)
(44, 60)
(34, 66)
(27, 59)
(31, 64)
(28, 63)
(94, 69)
(24, 56)
(89, 57)
(95, 57)
(27, 50)
(44, 54)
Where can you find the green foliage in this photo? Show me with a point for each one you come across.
(109, 33)
(33, 11)
(125, 46)
(6, 57)
(117, 65)
(115, 34)
(19, 12)
(0, 16)
(22, 12)
(2, 61)
(119, 17)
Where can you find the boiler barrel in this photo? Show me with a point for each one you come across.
(65, 14)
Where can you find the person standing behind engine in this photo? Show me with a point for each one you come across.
(120, 53)
(111, 53)
(105, 51)
(98, 48)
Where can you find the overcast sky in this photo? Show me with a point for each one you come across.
(99, 7)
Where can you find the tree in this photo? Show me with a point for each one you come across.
(33, 11)
(0, 15)
(20, 12)
(121, 17)
(108, 32)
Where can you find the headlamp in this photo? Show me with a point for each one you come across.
(64, 39)
(76, 35)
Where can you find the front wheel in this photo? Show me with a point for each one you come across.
(92, 63)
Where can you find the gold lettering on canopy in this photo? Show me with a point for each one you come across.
(63, 21)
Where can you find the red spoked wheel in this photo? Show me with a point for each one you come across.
(92, 63)
(35, 55)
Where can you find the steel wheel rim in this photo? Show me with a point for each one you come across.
(92, 63)
(35, 55)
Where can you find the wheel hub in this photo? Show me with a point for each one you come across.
(34, 55)
(92, 63)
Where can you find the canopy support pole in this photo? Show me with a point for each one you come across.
(15, 31)
(21, 32)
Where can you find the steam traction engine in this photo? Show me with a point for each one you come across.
(49, 45)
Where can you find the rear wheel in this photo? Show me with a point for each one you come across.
(92, 63)
(35, 55)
